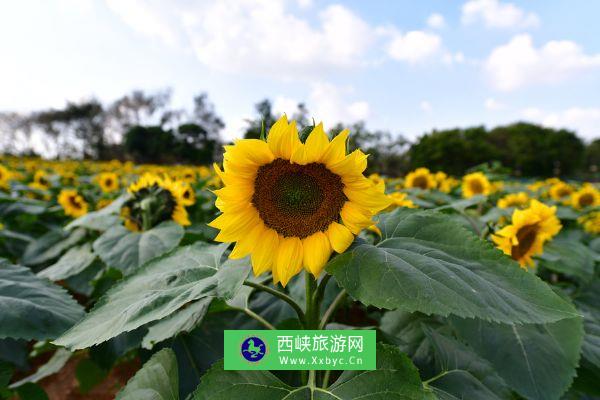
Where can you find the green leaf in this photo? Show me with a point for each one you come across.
(71, 263)
(183, 320)
(568, 257)
(89, 374)
(537, 360)
(466, 375)
(32, 307)
(158, 289)
(55, 364)
(427, 263)
(102, 219)
(395, 378)
(588, 303)
(31, 391)
(51, 245)
(122, 249)
(157, 380)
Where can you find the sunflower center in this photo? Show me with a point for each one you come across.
(297, 200)
(526, 237)
(586, 199)
(476, 186)
(564, 192)
(74, 202)
(420, 182)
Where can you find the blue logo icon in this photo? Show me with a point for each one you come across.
(253, 349)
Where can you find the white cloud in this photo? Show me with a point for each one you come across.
(285, 105)
(519, 63)
(583, 120)
(436, 21)
(425, 106)
(327, 103)
(493, 104)
(146, 18)
(414, 46)
(496, 14)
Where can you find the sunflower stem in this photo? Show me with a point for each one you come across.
(329, 313)
(281, 295)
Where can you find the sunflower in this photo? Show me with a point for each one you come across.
(474, 184)
(187, 193)
(5, 176)
(188, 175)
(400, 199)
(72, 203)
(529, 230)
(108, 181)
(68, 178)
(290, 204)
(587, 196)
(590, 222)
(513, 200)
(560, 191)
(420, 178)
(154, 199)
(40, 180)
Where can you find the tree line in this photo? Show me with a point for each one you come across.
(144, 128)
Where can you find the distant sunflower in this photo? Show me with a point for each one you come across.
(68, 178)
(420, 178)
(590, 222)
(560, 191)
(5, 176)
(188, 175)
(154, 199)
(520, 199)
(587, 196)
(290, 204)
(108, 182)
(474, 184)
(72, 203)
(400, 199)
(529, 230)
(40, 180)
(187, 193)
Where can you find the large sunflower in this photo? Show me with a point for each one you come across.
(290, 204)
(154, 199)
(587, 196)
(72, 203)
(529, 230)
(420, 178)
(474, 184)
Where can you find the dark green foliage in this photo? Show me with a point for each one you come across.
(527, 149)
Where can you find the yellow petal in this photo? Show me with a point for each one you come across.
(246, 244)
(289, 259)
(316, 252)
(355, 217)
(339, 237)
(336, 150)
(254, 150)
(371, 198)
(316, 144)
(264, 252)
(276, 133)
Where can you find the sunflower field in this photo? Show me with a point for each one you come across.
(118, 280)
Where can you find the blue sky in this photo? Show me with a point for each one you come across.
(403, 66)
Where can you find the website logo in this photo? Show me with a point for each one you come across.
(253, 349)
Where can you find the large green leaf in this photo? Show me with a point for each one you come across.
(464, 374)
(537, 360)
(102, 219)
(183, 320)
(157, 380)
(570, 258)
(71, 263)
(51, 245)
(395, 378)
(427, 263)
(122, 249)
(158, 289)
(588, 303)
(32, 307)
(55, 364)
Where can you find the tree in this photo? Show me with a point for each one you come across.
(264, 120)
